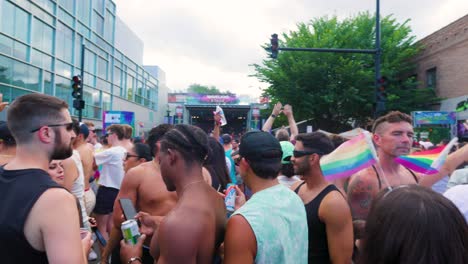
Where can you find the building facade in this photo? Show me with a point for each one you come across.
(41, 43)
(443, 66)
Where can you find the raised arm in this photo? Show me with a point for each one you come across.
(451, 163)
(288, 112)
(269, 123)
(217, 125)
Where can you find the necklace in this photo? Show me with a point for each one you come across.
(192, 183)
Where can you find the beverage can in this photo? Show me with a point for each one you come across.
(130, 231)
(230, 198)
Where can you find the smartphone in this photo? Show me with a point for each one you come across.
(127, 208)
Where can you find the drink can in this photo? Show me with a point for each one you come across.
(230, 198)
(130, 231)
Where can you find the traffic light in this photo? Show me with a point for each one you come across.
(76, 86)
(381, 95)
(77, 93)
(274, 46)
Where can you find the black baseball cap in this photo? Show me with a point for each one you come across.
(260, 146)
(226, 138)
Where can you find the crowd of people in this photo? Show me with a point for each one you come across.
(60, 187)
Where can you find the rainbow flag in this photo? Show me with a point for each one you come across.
(427, 162)
(350, 157)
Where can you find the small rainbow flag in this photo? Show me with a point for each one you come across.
(350, 157)
(427, 162)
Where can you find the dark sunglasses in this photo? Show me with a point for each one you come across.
(68, 126)
(127, 156)
(301, 153)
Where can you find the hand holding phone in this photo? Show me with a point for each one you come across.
(127, 208)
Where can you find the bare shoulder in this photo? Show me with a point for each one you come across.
(364, 180)
(295, 185)
(334, 204)
(55, 202)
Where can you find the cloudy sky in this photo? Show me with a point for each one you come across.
(212, 42)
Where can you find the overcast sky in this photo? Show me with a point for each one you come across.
(212, 42)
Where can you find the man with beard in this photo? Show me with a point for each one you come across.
(39, 220)
(392, 136)
(143, 185)
(328, 214)
(194, 229)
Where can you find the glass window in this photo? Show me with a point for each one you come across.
(109, 27)
(65, 17)
(63, 69)
(14, 21)
(102, 68)
(98, 24)
(64, 43)
(46, 4)
(26, 76)
(117, 76)
(78, 51)
(106, 102)
(83, 10)
(6, 70)
(7, 19)
(20, 51)
(103, 85)
(99, 5)
(41, 59)
(6, 45)
(48, 89)
(89, 79)
(90, 62)
(43, 36)
(68, 5)
(83, 30)
(431, 78)
(63, 89)
(130, 83)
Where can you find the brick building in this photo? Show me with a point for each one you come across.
(443, 65)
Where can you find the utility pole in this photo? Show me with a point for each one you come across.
(379, 103)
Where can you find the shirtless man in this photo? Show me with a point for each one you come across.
(127, 140)
(39, 220)
(393, 136)
(194, 229)
(143, 184)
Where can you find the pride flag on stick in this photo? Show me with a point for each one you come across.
(350, 157)
(427, 162)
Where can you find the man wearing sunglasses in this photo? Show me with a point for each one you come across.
(39, 220)
(328, 214)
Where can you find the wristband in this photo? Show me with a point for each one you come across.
(273, 115)
(132, 259)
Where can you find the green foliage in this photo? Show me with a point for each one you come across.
(203, 89)
(337, 89)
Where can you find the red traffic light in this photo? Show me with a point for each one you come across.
(76, 79)
(76, 86)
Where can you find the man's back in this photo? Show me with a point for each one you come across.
(152, 194)
(194, 230)
(278, 219)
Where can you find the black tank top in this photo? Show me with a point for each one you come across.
(318, 242)
(19, 191)
(380, 182)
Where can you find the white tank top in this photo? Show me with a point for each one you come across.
(78, 186)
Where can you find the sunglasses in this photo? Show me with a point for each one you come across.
(127, 156)
(68, 126)
(301, 153)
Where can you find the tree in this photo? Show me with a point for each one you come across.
(203, 89)
(337, 90)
